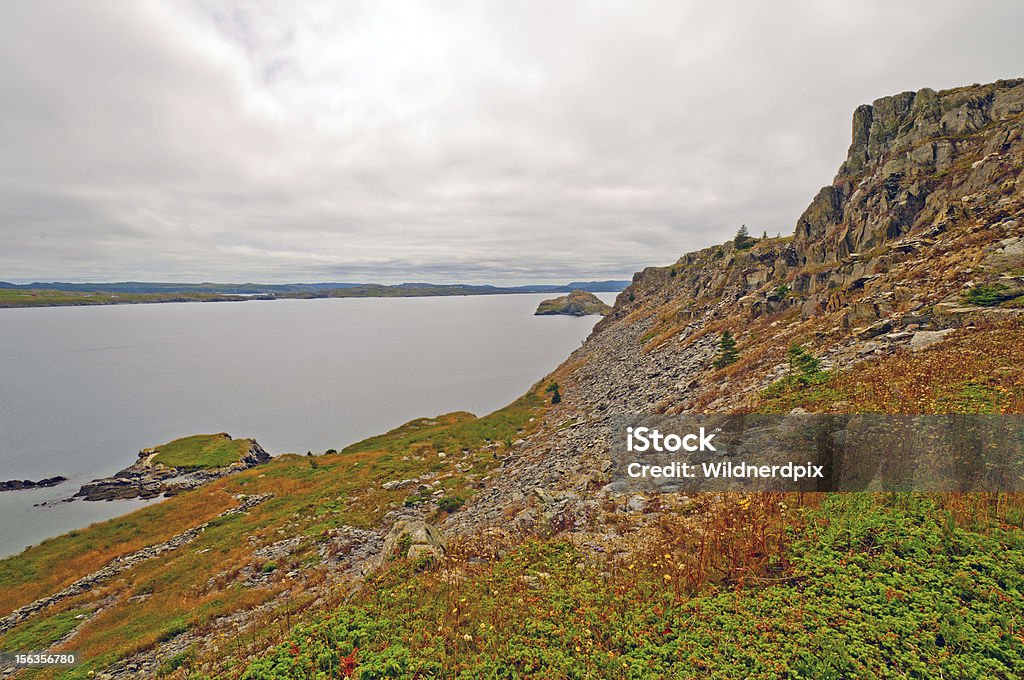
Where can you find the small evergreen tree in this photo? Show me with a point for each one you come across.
(552, 389)
(803, 366)
(727, 352)
(743, 239)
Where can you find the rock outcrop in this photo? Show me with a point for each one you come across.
(927, 208)
(19, 484)
(576, 303)
(413, 538)
(149, 479)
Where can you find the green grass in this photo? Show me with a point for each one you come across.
(202, 451)
(456, 431)
(38, 634)
(815, 393)
(876, 586)
(974, 397)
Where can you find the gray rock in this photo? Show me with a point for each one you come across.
(924, 339)
(411, 537)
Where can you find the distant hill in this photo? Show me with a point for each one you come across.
(142, 287)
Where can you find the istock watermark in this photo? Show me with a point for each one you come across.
(646, 439)
(810, 452)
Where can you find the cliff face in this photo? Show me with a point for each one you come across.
(917, 162)
(928, 174)
(928, 206)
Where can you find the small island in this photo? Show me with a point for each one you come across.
(177, 466)
(576, 303)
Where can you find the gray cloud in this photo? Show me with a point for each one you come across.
(447, 141)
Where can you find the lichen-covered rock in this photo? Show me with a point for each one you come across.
(922, 339)
(412, 538)
(913, 157)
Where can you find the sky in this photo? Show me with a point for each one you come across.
(468, 142)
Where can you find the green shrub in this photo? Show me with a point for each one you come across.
(989, 295)
(177, 661)
(417, 498)
(451, 503)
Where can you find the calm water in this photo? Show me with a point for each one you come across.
(82, 389)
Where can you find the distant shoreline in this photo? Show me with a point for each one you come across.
(76, 295)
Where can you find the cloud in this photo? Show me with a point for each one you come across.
(455, 141)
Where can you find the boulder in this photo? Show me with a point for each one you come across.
(922, 339)
(413, 538)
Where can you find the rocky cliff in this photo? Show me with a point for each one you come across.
(918, 241)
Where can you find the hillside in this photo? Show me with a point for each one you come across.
(459, 546)
(56, 294)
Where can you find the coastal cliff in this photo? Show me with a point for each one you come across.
(911, 259)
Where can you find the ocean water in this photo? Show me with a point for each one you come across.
(82, 389)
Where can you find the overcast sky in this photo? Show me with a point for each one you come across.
(503, 142)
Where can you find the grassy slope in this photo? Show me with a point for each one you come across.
(202, 451)
(867, 587)
(974, 370)
(187, 588)
(856, 586)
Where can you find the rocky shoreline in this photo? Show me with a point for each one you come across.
(19, 484)
(147, 479)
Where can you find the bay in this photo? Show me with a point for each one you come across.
(82, 389)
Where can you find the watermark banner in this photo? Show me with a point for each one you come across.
(813, 452)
